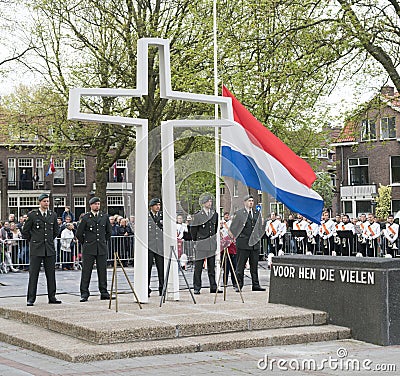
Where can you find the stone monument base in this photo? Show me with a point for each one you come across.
(360, 293)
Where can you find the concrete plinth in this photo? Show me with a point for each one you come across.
(359, 293)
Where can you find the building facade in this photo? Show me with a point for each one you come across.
(368, 154)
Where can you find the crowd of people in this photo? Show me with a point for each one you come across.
(42, 237)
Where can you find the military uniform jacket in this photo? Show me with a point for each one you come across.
(155, 226)
(41, 232)
(247, 230)
(203, 231)
(94, 233)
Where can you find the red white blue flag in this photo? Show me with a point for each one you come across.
(255, 156)
(115, 171)
(51, 167)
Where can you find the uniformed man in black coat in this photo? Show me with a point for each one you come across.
(155, 242)
(203, 231)
(40, 229)
(247, 228)
(94, 232)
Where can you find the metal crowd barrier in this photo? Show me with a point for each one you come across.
(15, 252)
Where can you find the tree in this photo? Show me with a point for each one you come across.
(323, 186)
(383, 201)
(267, 55)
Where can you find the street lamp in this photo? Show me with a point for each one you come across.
(374, 201)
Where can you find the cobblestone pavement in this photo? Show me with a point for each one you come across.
(323, 358)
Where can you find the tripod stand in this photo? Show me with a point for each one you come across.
(114, 279)
(164, 290)
(223, 267)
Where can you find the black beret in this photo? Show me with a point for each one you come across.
(247, 197)
(205, 198)
(154, 201)
(43, 196)
(93, 200)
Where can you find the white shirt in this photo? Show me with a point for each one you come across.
(391, 235)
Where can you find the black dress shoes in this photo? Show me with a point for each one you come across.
(29, 304)
(237, 289)
(214, 291)
(106, 297)
(84, 299)
(258, 288)
(55, 301)
(196, 292)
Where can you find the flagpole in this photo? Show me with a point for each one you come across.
(216, 139)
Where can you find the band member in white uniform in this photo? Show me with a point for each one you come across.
(326, 232)
(373, 232)
(300, 242)
(362, 237)
(391, 234)
(336, 239)
(281, 235)
(274, 229)
(312, 237)
(346, 243)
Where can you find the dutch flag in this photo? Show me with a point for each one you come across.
(51, 167)
(259, 159)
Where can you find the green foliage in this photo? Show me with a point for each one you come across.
(323, 186)
(383, 200)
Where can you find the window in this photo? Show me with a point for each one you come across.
(79, 202)
(395, 169)
(395, 206)
(59, 173)
(368, 130)
(79, 206)
(28, 201)
(13, 201)
(320, 153)
(25, 162)
(277, 208)
(115, 201)
(235, 189)
(358, 171)
(79, 172)
(12, 172)
(388, 128)
(119, 170)
(348, 207)
(40, 169)
(363, 207)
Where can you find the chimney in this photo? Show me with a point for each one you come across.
(387, 90)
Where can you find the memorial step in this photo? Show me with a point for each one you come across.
(167, 323)
(74, 349)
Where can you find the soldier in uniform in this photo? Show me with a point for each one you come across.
(203, 231)
(247, 228)
(94, 232)
(155, 242)
(41, 229)
(346, 244)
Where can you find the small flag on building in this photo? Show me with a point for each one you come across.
(51, 167)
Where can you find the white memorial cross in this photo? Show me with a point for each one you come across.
(141, 168)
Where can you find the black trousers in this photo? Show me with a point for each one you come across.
(49, 263)
(87, 268)
(198, 268)
(242, 256)
(159, 260)
(228, 268)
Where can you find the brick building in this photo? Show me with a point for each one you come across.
(368, 154)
